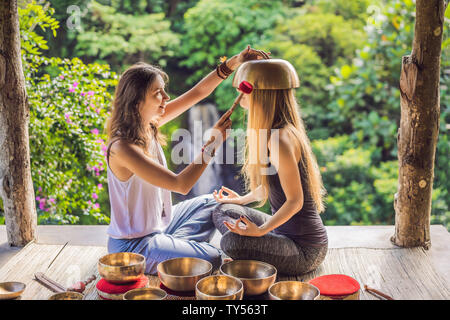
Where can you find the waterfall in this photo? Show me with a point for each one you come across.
(197, 120)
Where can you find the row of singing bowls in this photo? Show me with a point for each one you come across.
(121, 267)
(182, 274)
(257, 276)
(293, 290)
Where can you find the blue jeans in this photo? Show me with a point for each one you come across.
(187, 235)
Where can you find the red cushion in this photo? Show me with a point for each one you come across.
(114, 288)
(335, 285)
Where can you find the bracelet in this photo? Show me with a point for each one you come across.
(218, 73)
(224, 68)
(205, 150)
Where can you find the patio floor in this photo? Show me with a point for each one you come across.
(363, 252)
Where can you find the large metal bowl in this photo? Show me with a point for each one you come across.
(121, 267)
(68, 295)
(11, 289)
(293, 290)
(219, 287)
(145, 294)
(181, 274)
(257, 276)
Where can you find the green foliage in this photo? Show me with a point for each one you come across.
(68, 106)
(216, 28)
(124, 39)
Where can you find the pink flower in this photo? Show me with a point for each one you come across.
(75, 84)
(41, 205)
(83, 93)
(96, 206)
(104, 148)
(61, 77)
(94, 131)
(94, 196)
(97, 110)
(51, 200)
(71, 89)
(38, 198)
(67, 116)
(89, 202)
(40, 189)
(100, 186)
(90, 93)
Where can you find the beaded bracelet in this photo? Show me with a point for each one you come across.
(218, 73)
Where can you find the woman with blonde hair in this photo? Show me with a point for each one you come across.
(279, 167)
(143, 219)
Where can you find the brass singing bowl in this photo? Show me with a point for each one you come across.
(68, 295)
(267, 74)
(219, 287)
(121, 267)
(257, 276)
(11, 290)
(181, 274)
(293, 290)
(145, 294)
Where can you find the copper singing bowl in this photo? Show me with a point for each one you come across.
(145, 294)
(293, 290)
(11, 290)
(68, 295)
(257, 276)
(219, 287)
(267, 74)
(121, 267)
(181, 274)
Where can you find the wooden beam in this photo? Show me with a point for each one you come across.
(419, 127)
(16, 186)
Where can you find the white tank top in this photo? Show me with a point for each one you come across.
(138, 208)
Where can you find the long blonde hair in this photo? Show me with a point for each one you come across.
(125, 121)
(276, 109)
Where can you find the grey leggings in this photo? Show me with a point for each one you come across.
(278, 250)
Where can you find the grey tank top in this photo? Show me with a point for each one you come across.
(305, 227)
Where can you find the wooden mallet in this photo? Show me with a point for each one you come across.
(244, 87)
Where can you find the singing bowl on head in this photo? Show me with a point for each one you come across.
(181, 274)
(121, 267)
(11, 289)
(267, 74)
(219, 287)
(257, 276)
(68, 295)
(293, 290)
(145, 294)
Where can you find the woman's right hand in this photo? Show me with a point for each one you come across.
(220, 132)
(231, 197)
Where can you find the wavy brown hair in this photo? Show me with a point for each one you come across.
(125, 121)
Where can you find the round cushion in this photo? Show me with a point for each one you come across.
(336, 285)
(113, 291)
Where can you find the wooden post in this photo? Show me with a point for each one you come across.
(16, 186)
(419, 127)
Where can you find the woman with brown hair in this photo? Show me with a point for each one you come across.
(279, 167)
(140, 184)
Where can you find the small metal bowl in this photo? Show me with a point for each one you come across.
(145, 294)
(11, 290)
(257, 276)
(181, 274)
(221, 287)
(68, 295)
(293, 290)
(121, 267)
